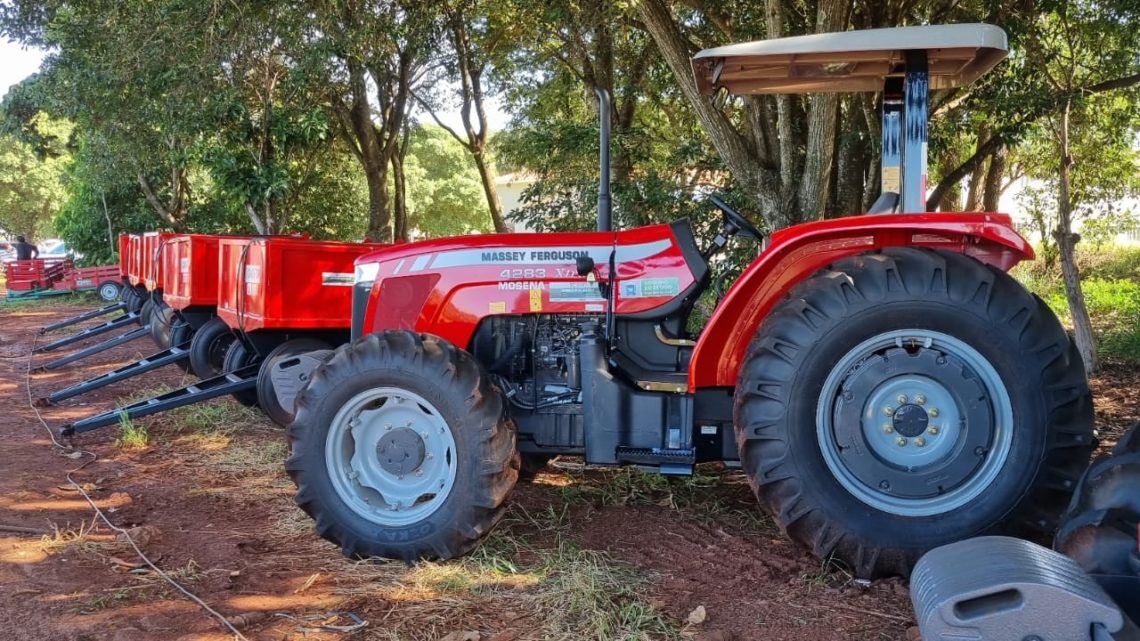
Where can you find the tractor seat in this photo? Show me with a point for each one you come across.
(885, 203)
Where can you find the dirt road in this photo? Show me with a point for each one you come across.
(581, 553)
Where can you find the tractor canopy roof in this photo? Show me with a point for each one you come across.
(850, 61)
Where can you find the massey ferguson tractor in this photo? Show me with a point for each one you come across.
(884, 383)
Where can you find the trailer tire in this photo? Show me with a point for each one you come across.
(109, 291)
(146, 310)
(208, 348)
(182, 335)
(238, 355)
(469, 461)
(162, 319)
(133, 299)
(822, 440)
(266, 394)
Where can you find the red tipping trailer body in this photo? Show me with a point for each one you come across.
(281, 282)
(190, 270)
(134, 259)
(150, 271)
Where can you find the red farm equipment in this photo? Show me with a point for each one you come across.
(276, 297)
(883, 382)
(111, 285)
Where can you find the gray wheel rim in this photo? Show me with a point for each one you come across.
(108, 292)
(914, 422)
(391, 456)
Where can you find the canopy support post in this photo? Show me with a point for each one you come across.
(915, 132)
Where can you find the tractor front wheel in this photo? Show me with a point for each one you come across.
(907, 399)
(402, 448)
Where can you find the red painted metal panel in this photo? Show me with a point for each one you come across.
(134, 259)
(527, 274)
(796, 253)
(124, 254)
(150, 270)
(190, 271)
(281, 282)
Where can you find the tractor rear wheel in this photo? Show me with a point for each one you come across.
(239, 355)
(906, 399)
(266, 394)
(208, 348)
(402, 448)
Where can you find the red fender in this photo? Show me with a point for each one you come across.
(795, 253)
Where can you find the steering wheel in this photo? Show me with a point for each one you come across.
(735, 223)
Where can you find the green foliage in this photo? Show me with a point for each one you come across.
(31, 179)
(445, 195)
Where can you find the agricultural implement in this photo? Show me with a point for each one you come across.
(47, 277)
(276, 297)
(885, 384)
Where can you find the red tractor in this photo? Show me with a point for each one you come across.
(884, 383)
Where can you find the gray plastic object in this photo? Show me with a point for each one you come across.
(996, 588)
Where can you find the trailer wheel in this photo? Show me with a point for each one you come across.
(208, 348)
(162, 319)
(133, 299)
(266, 394)
(907, 399)
(181, 335)
(238, 355)
(402, 448)
(109, 291)
(146, 310)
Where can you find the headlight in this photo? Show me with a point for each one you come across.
(366, 273)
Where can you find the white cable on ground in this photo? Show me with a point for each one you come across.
(93, 457)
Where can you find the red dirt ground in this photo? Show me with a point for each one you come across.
(219, 518)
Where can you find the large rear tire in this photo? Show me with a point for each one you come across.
(436, 456)
(208, 348)
(907, 399)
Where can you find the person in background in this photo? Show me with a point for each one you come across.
(24, 249)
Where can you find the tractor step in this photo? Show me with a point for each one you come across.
(229, 383)
(125, 337)
(656, 456)
(94, 330)
(142, 366)
(74, 320)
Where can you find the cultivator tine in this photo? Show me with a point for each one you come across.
(99, 347)
(74, 320)
(229, 383)
(94, 330)
(152, 362)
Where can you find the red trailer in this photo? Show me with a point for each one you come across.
(29, 276)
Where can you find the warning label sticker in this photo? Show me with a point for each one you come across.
(497, 307)
(536, 300)
(650, 287)
(574, 292)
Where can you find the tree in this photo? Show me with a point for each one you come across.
(473, 38)
(1085, 51)
(31, 183)
(444, 186)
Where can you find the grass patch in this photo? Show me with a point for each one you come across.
(132, 435)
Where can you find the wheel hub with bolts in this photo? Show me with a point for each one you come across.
(391, 456)
(914, 422)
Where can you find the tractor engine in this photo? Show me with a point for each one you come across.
(537, 363)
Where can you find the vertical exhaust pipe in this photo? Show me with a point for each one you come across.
(605, 203)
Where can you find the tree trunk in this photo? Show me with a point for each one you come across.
(160, 209)
(379, 216)
(977, 188)
(994, 178)
(1066, 245)
(110, 231)
(815, 183)
(257, 221)
(494, 205)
